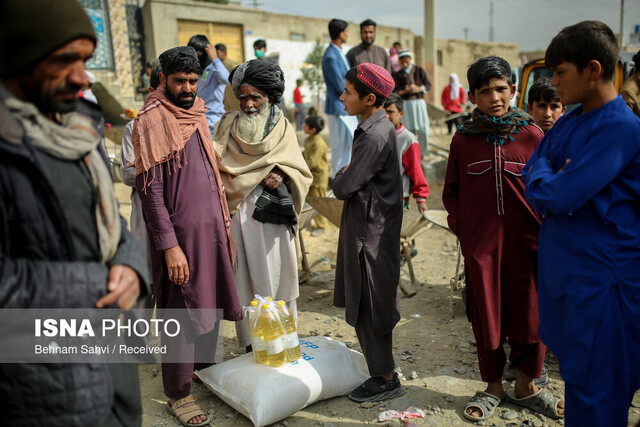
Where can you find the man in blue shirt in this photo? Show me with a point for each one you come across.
(341, 125)
(213, 80)
(584, 178)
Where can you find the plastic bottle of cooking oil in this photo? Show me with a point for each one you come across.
(252, 314)
(257, 341)
(290, 337)
(268, 327)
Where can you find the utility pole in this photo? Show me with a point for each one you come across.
(491, 21)
(466, 33)
(431, 46)
(621, 38)
(255, 4)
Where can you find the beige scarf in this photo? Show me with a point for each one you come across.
(243, 165)
(74, 139)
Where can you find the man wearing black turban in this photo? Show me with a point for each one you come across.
(264, 75)
(266, 181)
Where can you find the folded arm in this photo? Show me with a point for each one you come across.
(367, 159)
(578, 179)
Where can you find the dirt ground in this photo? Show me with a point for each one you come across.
(433, 343)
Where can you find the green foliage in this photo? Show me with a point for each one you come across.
(312, 71)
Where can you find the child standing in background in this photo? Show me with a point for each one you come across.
(413, 180)
(315, 154)
(297, 100)
(544, 104)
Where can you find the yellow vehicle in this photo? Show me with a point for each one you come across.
(536, 69)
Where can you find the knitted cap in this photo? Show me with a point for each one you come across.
(377, 78)
(404, 52)
(31, 30)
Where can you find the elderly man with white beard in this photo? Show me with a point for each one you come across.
(266, 180)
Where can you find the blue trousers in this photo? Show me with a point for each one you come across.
(341, 130)
(614, 374)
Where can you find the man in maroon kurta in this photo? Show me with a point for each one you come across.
(498, 232)
(187, 219)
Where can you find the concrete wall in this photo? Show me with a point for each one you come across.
(121, 51)
(293, 37)
(531, 56)
(283, 33)
(457, 55)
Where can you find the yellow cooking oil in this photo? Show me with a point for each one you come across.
(268, 328)
(290, 337)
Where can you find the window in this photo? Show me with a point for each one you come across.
(297, 37)
(439, 58)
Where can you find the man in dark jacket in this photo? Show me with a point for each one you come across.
(63, 243)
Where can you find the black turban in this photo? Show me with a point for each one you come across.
(181, 58)
(264, 75)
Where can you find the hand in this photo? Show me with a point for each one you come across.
(565, 165)
(177, 265)
(210, 50)
(342, 169)
(273, 179)
(123, 287)
(422, 206)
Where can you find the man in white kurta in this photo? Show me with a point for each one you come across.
(266, 181)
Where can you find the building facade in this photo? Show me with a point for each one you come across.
(133, 32)
(290, 38)
(455, 56)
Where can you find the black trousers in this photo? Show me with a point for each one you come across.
(377, 348)
(126, 408)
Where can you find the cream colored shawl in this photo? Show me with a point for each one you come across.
(243, 165)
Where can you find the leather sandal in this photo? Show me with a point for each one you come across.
(184, 414)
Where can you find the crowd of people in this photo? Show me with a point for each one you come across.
(410, 83)
(545, 206)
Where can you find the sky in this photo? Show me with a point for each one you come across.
(532, 24)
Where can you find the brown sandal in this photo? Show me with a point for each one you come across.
(185, 414)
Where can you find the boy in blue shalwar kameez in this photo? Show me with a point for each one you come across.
(585, 179)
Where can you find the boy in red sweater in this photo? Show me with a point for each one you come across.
(413, 180)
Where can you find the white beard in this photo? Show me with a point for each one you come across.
(251, 127)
